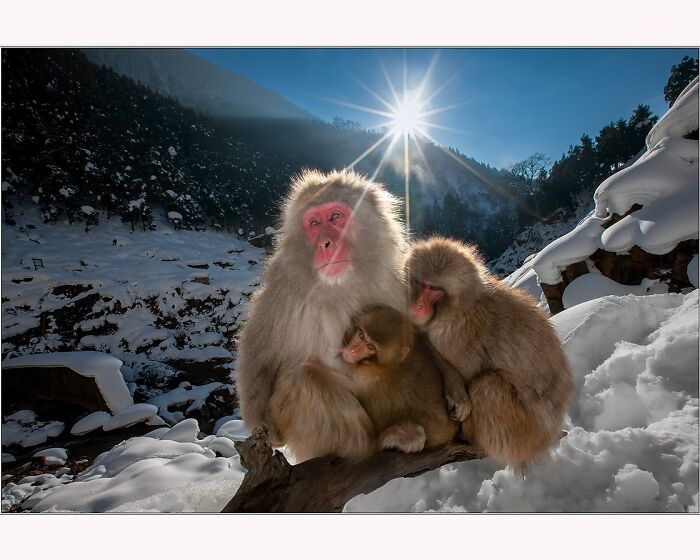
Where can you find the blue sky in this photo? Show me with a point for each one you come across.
(509, 102)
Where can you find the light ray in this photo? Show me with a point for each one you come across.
(493, 186)
(358, 107)
(368, 151)
(389, 82)
(446, 108)
(370, 91)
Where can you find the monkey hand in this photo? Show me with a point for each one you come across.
(459, 405)
(404, 436)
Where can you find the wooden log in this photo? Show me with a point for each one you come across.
(325, 484)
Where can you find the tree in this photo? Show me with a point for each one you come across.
(681, 75)
(530, 175)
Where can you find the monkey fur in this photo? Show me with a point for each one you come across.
(341, 248)
(516, 382)
(396, 381)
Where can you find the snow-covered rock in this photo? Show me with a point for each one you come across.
(102, 367)
(147, 474)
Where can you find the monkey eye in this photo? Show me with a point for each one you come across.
(335, 216)
(433, 288)
(361, 335)
(371, 347)
(314, 222)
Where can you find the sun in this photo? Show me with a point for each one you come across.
(408, 116)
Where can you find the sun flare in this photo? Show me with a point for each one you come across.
(408, 116)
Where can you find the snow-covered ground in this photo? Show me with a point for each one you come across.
(159, 295)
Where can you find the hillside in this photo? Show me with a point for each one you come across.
(197, 83)
(78, 135)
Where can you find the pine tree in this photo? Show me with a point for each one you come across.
(681, 75)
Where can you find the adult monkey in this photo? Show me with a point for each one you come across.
(342, 248)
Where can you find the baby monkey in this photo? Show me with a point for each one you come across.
(397, 382)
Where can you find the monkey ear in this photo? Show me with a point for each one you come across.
(404, 352)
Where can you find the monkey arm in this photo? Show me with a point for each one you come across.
(458, 401)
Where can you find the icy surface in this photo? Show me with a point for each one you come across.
(102, 367)
(633, 440)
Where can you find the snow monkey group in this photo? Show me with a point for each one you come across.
(358, 341)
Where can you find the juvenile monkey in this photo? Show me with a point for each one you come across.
(396, 382)
(518, 382)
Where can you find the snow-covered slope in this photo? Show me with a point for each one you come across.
(158, 295)
(197, 83)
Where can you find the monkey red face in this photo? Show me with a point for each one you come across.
(328, 227)
(360, 347)
(423, 298)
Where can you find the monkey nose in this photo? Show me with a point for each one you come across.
(325, 243)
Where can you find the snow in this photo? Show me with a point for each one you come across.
(25, 430)
(680, 119)
(87, 209)
(593, 285)
(172, 151)
(174, 215)
(142, 284)
(632, 441)
(53, 455)
(129, 416)
(90, 423)
(185, 393)
(179, 473)
(23, 416)
(664, 181)
(233, 429)
(97, 365)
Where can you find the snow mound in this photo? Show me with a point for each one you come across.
(594, 285)
(102, 367)
(149, 474)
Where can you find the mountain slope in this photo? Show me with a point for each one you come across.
(197, 83)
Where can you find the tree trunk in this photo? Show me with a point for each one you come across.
(325, 484)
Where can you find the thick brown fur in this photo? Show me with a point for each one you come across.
(401, 388)
(297, 319)
(518, 379)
